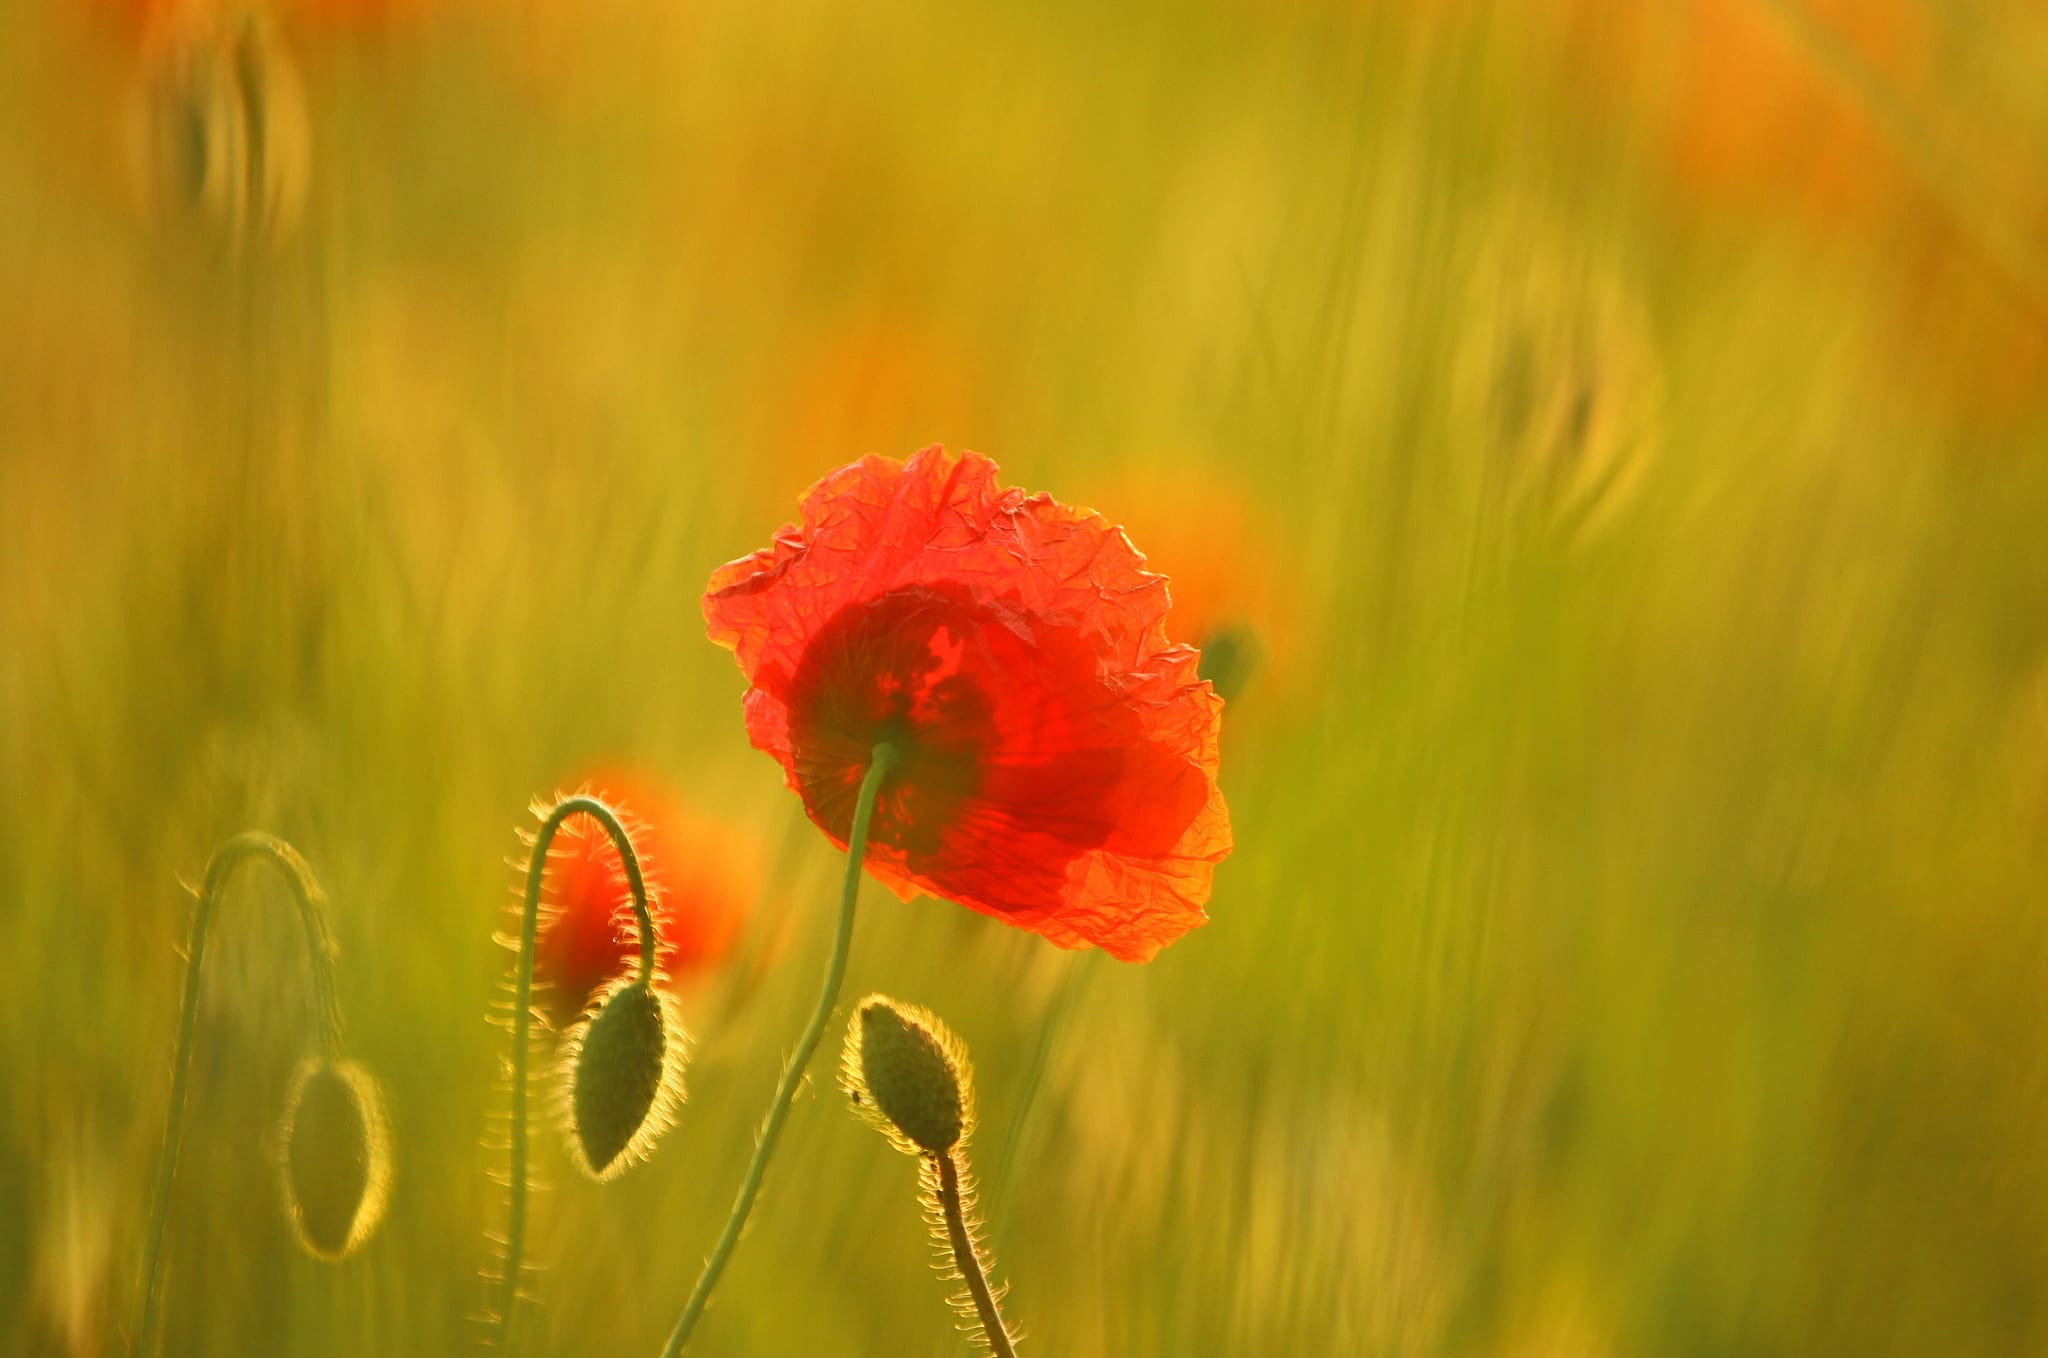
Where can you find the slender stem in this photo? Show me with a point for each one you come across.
(968, 1259)
(879, 764)
(320, 953)
(522, 1012)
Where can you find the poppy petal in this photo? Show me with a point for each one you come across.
(1059, 754)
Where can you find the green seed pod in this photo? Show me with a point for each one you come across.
(908, 1076)
(625, 1078)
(336, 1156)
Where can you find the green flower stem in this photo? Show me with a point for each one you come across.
(968, 1259)
(880, 762)
(320, 953)
(522, 1013)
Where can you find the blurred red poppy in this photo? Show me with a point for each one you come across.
(1217, 545)
(1058, 753)
(699, 890)
(1796, 110)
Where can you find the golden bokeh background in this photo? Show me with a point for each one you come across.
(1608, 441)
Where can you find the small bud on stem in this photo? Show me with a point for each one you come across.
(909, 1078)
(336, 1156)
(336, 1112)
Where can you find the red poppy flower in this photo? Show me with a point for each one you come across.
(1058, 753)
(698, 889)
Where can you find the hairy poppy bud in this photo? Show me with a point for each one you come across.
(908, 1075)
(909, 1078)
(337, 1156)
(625, 1078)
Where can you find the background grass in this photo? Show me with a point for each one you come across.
(1634, 942)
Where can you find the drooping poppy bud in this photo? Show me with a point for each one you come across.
(337, 1156)
(908, 1075)
(625, 1078)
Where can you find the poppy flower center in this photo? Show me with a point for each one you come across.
(899, 668)
(1015, 756)
(1052, 754)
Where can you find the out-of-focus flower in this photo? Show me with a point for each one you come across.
(1556, 387)
(1840, 117)
(1058, 754)
(1756, 117)
(878, 380)
(1966, 329)
(220, 134)
(147, 20)
(1737, 110)
(1773, 109)
(702, 878)
(1211, 538)
(361, 14)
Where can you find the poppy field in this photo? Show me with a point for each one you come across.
(1355, 678)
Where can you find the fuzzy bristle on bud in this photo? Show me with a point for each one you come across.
(625, 1078)
(908, 1076)
(336, 1156)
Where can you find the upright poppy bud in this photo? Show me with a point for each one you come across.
(336, 1159)
(908, 1077)
(624, 1078)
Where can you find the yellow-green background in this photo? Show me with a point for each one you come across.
(1634, 943)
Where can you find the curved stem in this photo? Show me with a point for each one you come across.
(522, 1011)
(968, 1259)
(320, 954)
(879, 764)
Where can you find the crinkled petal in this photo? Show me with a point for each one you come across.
(1060, 754)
